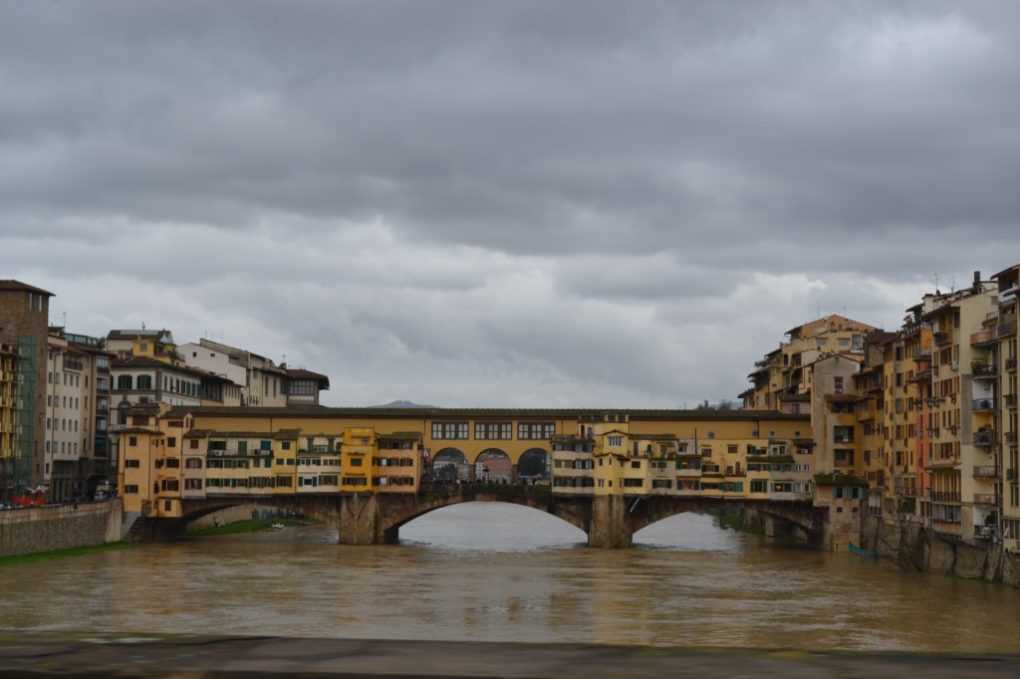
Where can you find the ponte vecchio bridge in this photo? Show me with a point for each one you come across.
(369, 471)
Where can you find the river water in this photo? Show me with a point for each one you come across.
(506, 573)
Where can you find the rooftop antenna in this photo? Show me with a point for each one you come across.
(952, 284)
(937, 283)
(143, 325)
(63, 315)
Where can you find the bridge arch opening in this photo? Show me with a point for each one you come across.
(534, 465)
(450, 465)
(491, 526)
(693, 530)
(494, 466)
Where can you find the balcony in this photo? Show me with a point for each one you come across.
(1010, 400)
(986, 472)
(947, 526)
(1011, 437)
(987, 499)
(945, 497)
(943, 462)
(986, 437)
(1012, 475)
(984, 370)
(1008, 328)
(1011, 364)
(984, 338)
(983, 405)
(943, 338)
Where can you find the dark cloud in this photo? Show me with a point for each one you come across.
(522, 202)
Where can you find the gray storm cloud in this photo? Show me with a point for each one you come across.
(583, 203)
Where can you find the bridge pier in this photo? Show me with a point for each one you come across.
(609, 527)
(361, 522)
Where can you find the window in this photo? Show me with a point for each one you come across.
(192, 484)
(285, 445)
(131, 464)
(145, 382)
(449, 430)
(635, 464)
(731, 448)
(124, 382)
(173, 463)
(170, 485)
(633, 483)
(132, 441)
(535, 430)
(356, 462)
(616, 440)
(838, 384)
(493, 430)
(130, 489)
(193, 463)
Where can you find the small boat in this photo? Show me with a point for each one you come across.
(276, 526)
(863, 551)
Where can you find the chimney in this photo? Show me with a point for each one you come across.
(977, 281)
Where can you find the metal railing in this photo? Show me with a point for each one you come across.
(986, 472)
(983, 404)
(986, 499)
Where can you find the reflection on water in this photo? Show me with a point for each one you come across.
(502, 572)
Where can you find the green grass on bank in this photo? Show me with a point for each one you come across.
(19, 559)
(247, 526)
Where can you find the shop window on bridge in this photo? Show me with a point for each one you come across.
(170, 485)
(193, 463)
(782, 487)
(283, 481)
(355, 481)
(633, 483)
(535, 430)
(329, 480)
(761, 486)
(192, 484)
(449, 430)
(493, 430)
(662, 483)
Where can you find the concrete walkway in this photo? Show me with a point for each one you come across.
(28, 654)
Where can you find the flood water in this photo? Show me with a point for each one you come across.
(506, 573)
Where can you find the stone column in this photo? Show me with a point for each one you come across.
(609, 526)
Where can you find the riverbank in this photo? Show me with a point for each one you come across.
(59, 527)
(42, 655)
(36, 557)
(915, 548)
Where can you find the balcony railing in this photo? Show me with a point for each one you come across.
(1012, 475)
(943, 338)
(986, 499)
(983, 405)
(985, 472)
(986, 437)
(1007, 329)
(1011, 437)
(989, 336)
(1011, 400)
(1011, 364)
(984, 370)
(942, 496)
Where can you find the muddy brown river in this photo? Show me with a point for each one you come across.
(505, 573)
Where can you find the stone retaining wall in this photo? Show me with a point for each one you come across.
(914, 547)
(44, 529)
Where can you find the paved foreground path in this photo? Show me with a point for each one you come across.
(30, 654)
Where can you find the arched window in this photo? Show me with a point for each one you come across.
(144, 382)
(124, 382)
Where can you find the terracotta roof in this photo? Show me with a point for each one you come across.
(302, 374)
(10, 285)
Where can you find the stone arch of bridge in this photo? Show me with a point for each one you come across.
(534, 463)
(650, 510)
(321, 508)
(494, 464)
(577, 514)
(450, 464)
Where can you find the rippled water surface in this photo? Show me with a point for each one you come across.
(506, 573)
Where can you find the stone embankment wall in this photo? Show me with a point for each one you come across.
(915, 548)
(44, 529)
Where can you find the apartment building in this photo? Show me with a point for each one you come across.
(781, 381)
(1004, 346)
(24, 320)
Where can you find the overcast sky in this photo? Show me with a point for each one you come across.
(505, 203)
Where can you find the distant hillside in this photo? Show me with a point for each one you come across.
(402, 404)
